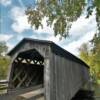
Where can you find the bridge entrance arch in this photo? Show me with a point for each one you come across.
(28, 69)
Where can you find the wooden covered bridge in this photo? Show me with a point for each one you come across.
(42, 68)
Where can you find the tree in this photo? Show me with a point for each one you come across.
(92, 57)
(3, 48)
(96, 5)
(84, 53)
(4, 61)
(96, 52)
(60, 13)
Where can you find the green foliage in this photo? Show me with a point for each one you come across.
(92, 57)
(84, 55)
(60, 14)
(96, 5)
(4, 63)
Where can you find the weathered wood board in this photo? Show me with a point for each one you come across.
(63, 74)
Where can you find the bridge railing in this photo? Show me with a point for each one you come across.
(3, 86)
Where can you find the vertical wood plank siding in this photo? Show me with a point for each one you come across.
(64, 74)
(69, 78)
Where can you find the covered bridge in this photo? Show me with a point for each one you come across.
(40, 63)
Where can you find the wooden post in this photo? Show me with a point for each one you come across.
(47, 79)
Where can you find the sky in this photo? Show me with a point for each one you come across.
(14, 27)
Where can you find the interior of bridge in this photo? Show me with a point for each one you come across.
(28, 69)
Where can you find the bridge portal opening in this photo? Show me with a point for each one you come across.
(28, 69)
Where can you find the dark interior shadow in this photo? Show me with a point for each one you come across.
(84, 95)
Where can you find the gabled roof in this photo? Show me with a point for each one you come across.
(28, 40)
(56, 49)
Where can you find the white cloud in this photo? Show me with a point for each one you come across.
(82, 30)
(5, 2)
(46, 33)
(83, 25)
(10, 46)
(49, 37)
(74, 46)
(20, 21)
(45, 29)
(5, 37)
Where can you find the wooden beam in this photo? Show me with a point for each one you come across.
(32, 95)
(17, 75)
(30, 80)
(19, 59)
(28, 61)
(21, 82)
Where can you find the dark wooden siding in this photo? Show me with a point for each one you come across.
(67, 78)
